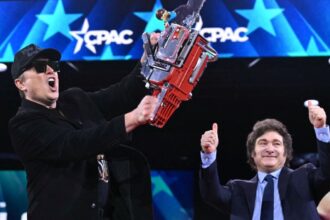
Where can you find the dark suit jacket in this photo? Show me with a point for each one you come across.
(58, 148)
(299, 190)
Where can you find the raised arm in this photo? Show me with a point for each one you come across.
(321, 176)
(211, 189)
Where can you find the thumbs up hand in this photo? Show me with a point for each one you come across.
(210, 140)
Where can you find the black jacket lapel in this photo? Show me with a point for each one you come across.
(282, 188)
(250, 188)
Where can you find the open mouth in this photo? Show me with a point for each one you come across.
(51, 82)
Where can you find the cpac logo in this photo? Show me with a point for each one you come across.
(226, 34)
(99, 37)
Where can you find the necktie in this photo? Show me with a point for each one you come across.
(103, 186)
(267, 207)
(102, 166)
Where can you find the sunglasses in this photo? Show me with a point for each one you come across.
(41, 66)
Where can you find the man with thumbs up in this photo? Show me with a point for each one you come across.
(276, 192)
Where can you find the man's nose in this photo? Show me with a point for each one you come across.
(49, 70)
(270, 147)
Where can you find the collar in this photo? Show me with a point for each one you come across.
(30, 105)
(262, 175)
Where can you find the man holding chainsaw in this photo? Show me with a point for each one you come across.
(72, 143)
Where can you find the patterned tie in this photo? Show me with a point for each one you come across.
(267, 207)
(103, 169)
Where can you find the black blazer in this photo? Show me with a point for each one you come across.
(58, 149)
(299, 190)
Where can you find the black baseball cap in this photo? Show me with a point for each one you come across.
(28, 54)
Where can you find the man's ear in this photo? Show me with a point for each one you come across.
(19, 83)
(253, 154)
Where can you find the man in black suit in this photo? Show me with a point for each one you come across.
(276, 192)
(71, 143)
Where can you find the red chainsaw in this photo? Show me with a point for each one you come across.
(174, 65)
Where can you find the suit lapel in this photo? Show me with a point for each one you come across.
(250, 188)
(283, 187)
(283, 182)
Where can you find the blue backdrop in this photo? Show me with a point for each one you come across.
(111, 29)
(172, 193)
